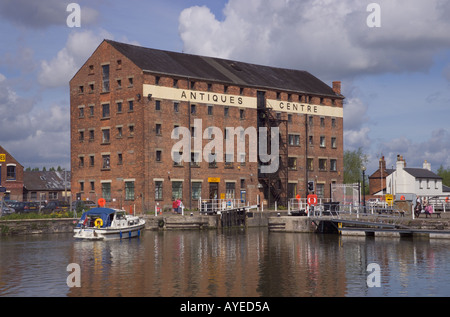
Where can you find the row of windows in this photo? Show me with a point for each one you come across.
(106, 133)
(106, 189)
(294, 140)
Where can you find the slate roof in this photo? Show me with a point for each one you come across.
(45, 181)
(223, 71)
(422, 173)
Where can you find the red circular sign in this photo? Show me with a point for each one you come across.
(102, 202)
(312, 200)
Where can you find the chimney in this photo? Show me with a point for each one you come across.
(382, 164)
(400, 163)
(427, 165)
(337, 87)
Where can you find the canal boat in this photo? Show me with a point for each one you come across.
(107, 224)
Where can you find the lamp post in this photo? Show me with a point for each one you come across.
(364, 186)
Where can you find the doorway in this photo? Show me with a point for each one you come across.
(213, 190)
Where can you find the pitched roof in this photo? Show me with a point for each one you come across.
(222, 70)
(44, 181)
(422, 173)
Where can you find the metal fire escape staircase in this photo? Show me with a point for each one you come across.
(275, 184)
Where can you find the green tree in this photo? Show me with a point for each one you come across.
(353, 163)
(445, 174)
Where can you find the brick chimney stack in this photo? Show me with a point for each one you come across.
(337, 87)
(382, 164)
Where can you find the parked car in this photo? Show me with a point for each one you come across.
(25, 207)
(55, 206)
(83, 204)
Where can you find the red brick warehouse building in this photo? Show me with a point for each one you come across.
(126, 101)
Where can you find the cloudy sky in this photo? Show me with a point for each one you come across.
(396, 77)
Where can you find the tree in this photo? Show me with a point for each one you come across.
(445, 174)
(353, 163)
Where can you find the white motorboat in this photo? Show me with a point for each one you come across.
(108, 224)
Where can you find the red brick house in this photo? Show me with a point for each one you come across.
(11, 176)
(127, 100)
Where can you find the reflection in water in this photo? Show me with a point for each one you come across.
(228, 263)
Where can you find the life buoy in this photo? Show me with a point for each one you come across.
(446, 199)
(98, 222)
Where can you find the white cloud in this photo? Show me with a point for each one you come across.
(79, 46)
(328, 38)
(33, 135)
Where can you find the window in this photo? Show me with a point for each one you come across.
(130, 130)
(320, 190)
(92, 186)
(157, 79)
(195, 159)
(311, 140)
(105, 110)
(129, 190)
(292, 190)
(241, 114)
(91, 88)
(81, 135)
(176, 107)
(310, 121)
(289, 118)
(119, 159)
(333, 165)
(158, 129)
(106, 161)
(175, 83)
(130, 82)
(322, 122)
(294, 139)
(193, 109)
(158, 155)
(229, 160)
(242, 182)
(157, 105)
(212, 160)
(158, 190)
(130, 105)
(106, 191)
(322, 164)
(230, 190)
(119, 83)
(80, 89)
(333, 122)
(226, 111)
(196, 190)
(105, 136)
(119, 132)
(81, 112)
(91, 135)
(91, 160)
(105, 78)
(292, 163)
(210, 110)
(322, 141)
(177, 158)
(333, 142)
(177, 190)
(119, 106)
(81, 161)
(81, 187)
(11, 172)
(91, 110)
(310, 163)
(119, 64)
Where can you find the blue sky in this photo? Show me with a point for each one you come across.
(396, 77)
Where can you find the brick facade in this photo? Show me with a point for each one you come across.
(121, 132)
(11, 176)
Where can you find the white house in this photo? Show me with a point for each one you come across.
(410, 182)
